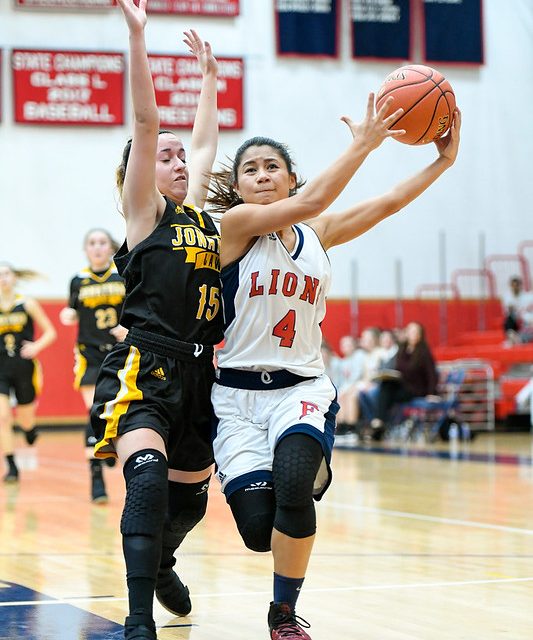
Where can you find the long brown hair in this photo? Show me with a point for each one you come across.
(120, 172)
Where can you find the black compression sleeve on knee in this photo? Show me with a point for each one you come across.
(297, 459)
(146, 474)
(253, 509)
(187, 504)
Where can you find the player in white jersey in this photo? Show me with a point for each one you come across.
(275, 405)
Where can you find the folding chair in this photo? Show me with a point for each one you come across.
(425, 417)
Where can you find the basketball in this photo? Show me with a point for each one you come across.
(427, 99)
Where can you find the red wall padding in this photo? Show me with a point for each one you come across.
(59, 402)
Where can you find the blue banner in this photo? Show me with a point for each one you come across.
(381, 30)
(453, 31)
(307, 27)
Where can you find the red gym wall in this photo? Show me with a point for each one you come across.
(60, 404)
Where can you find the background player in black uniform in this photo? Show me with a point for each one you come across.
(95, 303)
(20, 373)
(152, 404)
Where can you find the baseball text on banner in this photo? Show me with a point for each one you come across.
(381, 29)
(307, 27)
(66, 4)
(453, 31)
(68, 87)
(177, 83)
(222, 8)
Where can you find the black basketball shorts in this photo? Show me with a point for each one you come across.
(20, 376)
(87, 362)
(140, 389)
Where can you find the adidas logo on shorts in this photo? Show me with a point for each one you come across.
(159, 373)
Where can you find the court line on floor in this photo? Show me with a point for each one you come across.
(425, 518)
(225, 594)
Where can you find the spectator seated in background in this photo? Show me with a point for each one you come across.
(349, 371)
(331, 362)
(349, 414)
(388, 348)
(518, 312)
(415, 375)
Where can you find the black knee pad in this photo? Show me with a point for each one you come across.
(146, 474)
(297, 459)
(253, 509)
(187, 504)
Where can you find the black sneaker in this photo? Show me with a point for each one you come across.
(12, 475)
(171, 593)
(31, 435)
(98, 492)
(139, 627)
(284, 624)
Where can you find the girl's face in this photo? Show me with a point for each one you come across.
(171, 172)
(386, 340)
(413, 333)
(99, 250)
(263, 177)
(7, 279)
(368, 341)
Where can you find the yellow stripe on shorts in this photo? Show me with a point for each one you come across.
(116, 408)
(80, 367)
(37, 377)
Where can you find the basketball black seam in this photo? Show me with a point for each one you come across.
(420, 99)
(443, 94)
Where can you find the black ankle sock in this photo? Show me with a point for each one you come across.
(10, 458)
(96, 466)
(141, 596)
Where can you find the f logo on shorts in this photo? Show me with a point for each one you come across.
(307, 408)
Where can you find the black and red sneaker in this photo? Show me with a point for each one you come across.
(284, 624)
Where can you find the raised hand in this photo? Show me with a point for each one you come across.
(202, 51)
(376, 126)
(134, 13)
(448, 145)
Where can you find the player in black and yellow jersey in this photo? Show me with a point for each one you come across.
(20, 372)
(152, 404)
(95, 303)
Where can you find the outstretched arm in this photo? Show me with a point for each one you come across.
(142, 202)
(337, 228)
(204, 138)
(247, 221)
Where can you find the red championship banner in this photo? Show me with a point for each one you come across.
(68, 87)
(177, 82)
(66, 4)
(223, 8)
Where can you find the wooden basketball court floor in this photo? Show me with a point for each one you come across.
(413, 544)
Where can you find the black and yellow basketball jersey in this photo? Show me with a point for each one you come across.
(98, 299)
(172, 278)
(16, 325)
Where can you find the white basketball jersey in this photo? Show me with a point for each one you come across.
(274, 302)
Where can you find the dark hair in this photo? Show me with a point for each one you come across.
(120, 172)
(421, 347)
(114, 244)
(223, 195)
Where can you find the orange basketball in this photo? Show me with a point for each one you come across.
(427, 99)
